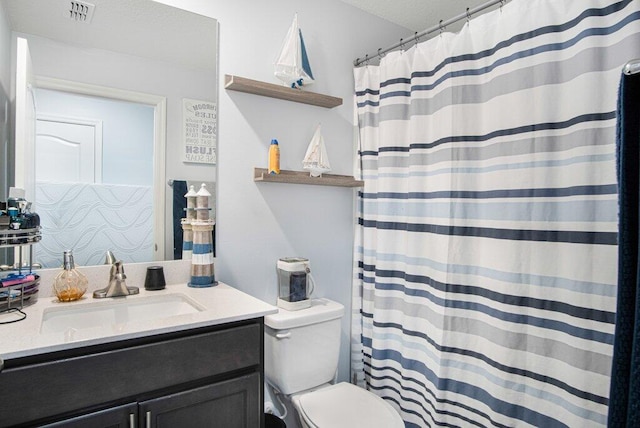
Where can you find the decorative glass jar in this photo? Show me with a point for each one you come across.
(70, 284)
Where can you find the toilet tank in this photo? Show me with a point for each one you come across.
(302, 347)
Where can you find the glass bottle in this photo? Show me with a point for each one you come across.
(70, 284)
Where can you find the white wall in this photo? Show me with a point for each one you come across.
(5, 86)
(5, 50)
(258, 223)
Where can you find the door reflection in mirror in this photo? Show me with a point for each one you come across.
(94, 177)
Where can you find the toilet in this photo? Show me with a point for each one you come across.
(301, 359)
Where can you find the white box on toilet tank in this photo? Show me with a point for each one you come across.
(302, 347)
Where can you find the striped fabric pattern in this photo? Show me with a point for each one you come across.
(485, 278)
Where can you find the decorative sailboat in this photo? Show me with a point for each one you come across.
(292, 65)
(316, 159)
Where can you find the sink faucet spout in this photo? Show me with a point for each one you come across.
(117, 285)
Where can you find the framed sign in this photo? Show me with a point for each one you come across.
(199, 130)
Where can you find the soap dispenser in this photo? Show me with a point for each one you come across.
(70, 284)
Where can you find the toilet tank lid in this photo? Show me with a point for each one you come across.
(320, 310)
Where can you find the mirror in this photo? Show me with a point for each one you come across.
(149, 55)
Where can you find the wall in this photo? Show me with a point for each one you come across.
(258, 223)
(6, 151)
(5, 86)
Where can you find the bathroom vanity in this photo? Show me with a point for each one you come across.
(177, 370)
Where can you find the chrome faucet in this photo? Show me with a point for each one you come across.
(117, 286)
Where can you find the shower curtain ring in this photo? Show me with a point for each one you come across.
(415, 37)
(442, 28)
(401, 45)
(502, 2)
(468, 16)
(366, 60)
(379, 54)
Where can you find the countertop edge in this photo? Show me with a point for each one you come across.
(34, 343)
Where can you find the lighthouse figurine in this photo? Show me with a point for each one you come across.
(202, 270)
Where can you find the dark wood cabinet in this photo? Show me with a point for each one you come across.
(124, 416)
(226, 404)
(207, 377)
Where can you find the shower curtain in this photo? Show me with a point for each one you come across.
(485, 279)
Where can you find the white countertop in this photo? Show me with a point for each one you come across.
(221, 304)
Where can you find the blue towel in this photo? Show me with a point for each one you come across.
(624, 396)
(179, 205)
(180, 188)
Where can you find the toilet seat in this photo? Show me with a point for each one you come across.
(344, 405)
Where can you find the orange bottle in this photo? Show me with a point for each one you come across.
(274, 157)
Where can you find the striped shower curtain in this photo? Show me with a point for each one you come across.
(485, 279)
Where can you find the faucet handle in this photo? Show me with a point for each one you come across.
(119, 270)
(109, 258)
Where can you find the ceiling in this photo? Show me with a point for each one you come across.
(418, 15)
(168, 38)
(136, 27)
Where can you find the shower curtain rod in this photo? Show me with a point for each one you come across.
(632, 67)
(440, 27)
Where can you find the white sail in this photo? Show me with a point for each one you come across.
(292, 65)
(316, 159)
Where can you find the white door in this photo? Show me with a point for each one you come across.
(68, 150)
(25, 121)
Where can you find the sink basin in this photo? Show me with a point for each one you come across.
(116, 312)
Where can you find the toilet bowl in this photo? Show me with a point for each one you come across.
(301, 359)
(344, 405)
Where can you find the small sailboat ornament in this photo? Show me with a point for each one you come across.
(292, 65)
(316, 159)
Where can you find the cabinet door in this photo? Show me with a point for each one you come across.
(116, 417)
(125, 371)
(230, 404)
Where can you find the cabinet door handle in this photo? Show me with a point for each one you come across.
(132, 420)
(148, 419)
(281, 336)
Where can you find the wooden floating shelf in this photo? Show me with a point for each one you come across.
(242, 84)
(302, 177)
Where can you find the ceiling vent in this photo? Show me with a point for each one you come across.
(80, 11)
